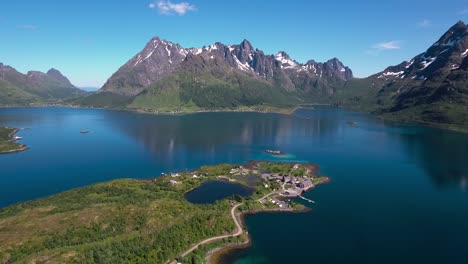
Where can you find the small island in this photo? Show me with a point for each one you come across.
(152, 221)
(274, 152)
(8, 140)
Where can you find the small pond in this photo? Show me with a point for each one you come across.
(212, 191)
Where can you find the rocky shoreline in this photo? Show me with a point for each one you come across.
(218, 255)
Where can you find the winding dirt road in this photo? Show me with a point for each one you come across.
(209, 240)
(216, 238)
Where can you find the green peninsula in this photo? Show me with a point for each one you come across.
(147, 221)
(8, 142)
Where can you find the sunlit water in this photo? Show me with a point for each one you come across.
(397, 195)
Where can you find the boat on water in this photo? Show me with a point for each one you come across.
(18, 138)
(351, 123)
(84, 131)
(274, 152)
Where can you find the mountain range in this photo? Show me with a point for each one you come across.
(430, 88)
(34, 87)
(167, 77)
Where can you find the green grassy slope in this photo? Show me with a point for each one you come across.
(211, 90)
(123, 221)
(6, 143)
(12, 95)
(129, 221)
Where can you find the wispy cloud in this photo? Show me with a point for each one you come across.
(377, 48)
(29, 27)
(425, 23)
(463, 11)
(166, 7)
(389, 45)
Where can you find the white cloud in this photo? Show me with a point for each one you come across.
(390, 45)
(166, 7)
(30, 27)
(425, 23)
(377, 48)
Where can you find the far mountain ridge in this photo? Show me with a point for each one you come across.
(161, 58)
(17, 88)
(430, 88)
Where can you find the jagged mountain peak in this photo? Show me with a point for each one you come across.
(56, 74)
(444, 55)
(161, 58)
(285, 60)
(246, 45)
(282, 54)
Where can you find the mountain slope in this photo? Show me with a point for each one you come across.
(166, 76)
(430, 88)
(18, 89)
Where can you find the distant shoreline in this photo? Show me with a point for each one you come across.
(266, 110)
(284, 111)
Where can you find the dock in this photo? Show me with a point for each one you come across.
(305, 199)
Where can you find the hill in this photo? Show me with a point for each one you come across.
(137, 221)
(34, 87)
(431, 88)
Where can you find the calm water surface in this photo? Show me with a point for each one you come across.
(212, 191)
(397, 195)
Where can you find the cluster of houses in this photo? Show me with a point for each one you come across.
(291, 185)
(176, 175)
(279, 203)
(242, 171)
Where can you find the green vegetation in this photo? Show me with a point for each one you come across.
(12, 95)
(34, 87)
(121, 221)
(102, 100)
(281, 168)
(216, 89)
(432, 103)
(127, 221)
(7, 144)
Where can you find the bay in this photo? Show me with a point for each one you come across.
(397, 192)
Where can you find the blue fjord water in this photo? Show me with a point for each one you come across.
(397, 195)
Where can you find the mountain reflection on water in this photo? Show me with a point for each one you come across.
(125, 144)
(443, 154)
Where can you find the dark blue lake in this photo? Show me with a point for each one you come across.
(398, 192)
(212, 191)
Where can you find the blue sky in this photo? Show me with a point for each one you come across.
(88, 40)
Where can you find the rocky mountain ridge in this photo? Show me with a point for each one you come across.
(161, 58)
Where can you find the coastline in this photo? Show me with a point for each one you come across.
(273, 110)
(401, 120)
(215, 256)
(266, 110)
(20, 148)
